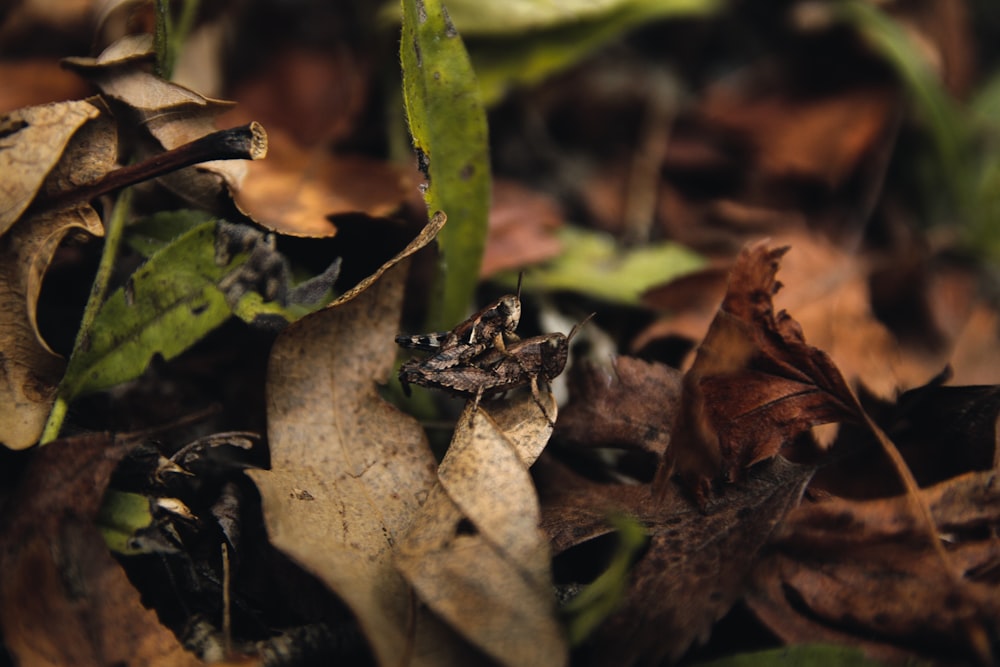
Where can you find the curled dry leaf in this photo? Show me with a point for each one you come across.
(755, 383)
(828, 290)
(475, 553)
(862, 573)
(63, 598)
(349, 471)
(51, 149)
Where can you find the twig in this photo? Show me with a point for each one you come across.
(246, 142)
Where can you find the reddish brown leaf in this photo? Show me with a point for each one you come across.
(63, 599)
(863, 573)
(522, 228)
(697, 561)
(603, 410)
(755, 384)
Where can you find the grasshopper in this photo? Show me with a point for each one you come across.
(524, 362)
(491, 327)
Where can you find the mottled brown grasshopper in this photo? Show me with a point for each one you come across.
(524, 362)
(490, 328)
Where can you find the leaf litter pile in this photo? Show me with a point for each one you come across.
(522, 334)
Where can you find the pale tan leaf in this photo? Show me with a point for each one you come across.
(364, 466)
(475, 553)
(173, 114)
(29, 370)
(32, 142)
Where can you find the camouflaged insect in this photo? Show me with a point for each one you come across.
(490, 328)
(525, 362)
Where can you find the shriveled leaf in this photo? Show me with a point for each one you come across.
(862, 573)
(603, 410)
(63, 599)
(475, 553)
(448, 126)
(349, 471)
(755, 384)
(49, 150)
(828, 290)
(593, 264)
(697, 562)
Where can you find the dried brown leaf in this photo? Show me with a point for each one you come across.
(603, 410)
(172, 114)
(294, 191)
(52, 150)
(522, 228)
(29, 369)
(863, 573)
(475, 553)
(33, 141)
(697, 561)
(63, 598)
(755, 384)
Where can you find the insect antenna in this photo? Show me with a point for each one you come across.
(578, 326)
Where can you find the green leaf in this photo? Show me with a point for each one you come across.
(603, 595)
(593, 263)
(509, 56)
(155, 232)
(448, 127)
(122, 516)
(169, 304)
(805, 655)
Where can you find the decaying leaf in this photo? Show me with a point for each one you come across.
(755, 384)
(603, 410)
(827, 288)
(697, 562)
(862, 573)
(29, 369)
(63, 599)
(475, 553)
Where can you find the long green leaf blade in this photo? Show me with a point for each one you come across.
(448, 127)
